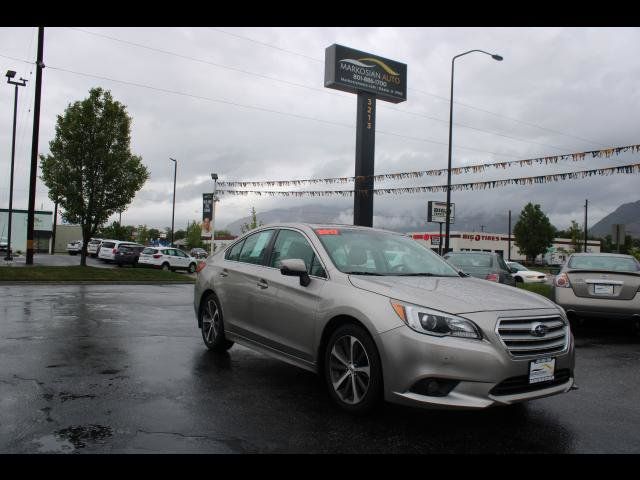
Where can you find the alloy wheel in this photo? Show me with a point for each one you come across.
(210, 322)
(350, 369)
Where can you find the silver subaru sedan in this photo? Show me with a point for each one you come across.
(381, 317)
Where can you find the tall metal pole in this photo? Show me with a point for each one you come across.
(586, 207)
(173, 214)
(213, 212)
(53, 231)
(440, 241)
(509, 239)
(448, 218)
(22, 83)
(34, 148)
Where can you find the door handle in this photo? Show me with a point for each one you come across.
(262, 284)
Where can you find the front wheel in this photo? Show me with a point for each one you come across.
(192, 268)
(353, 370)
(212, 325)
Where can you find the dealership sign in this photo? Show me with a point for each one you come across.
(354, 71)
(437, 212)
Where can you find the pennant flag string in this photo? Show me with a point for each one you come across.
(605, 153)
(556, 177)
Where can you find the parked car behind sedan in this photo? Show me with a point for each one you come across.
(93, 247)
(198, 253)
(343, 302)
(600, 285)
(523, 274)
(167, 259)
(109, 249)
(485, 265)
(127, 254)
(74, 247)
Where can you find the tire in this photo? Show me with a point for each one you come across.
(519, 280)
(352, 364)
(635, 328)
(212, 328)
(166, 267)
(192, 267)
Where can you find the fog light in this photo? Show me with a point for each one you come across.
(434, 387)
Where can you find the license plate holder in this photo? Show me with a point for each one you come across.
(542, 370)
(602, 289)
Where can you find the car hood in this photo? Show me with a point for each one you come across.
(452, 294)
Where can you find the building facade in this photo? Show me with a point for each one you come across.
(43, 222)
(499, 243)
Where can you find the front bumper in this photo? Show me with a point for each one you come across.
(477, 365)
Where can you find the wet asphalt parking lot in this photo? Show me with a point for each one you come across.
(122, 369)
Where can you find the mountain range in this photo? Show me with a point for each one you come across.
(628, 214)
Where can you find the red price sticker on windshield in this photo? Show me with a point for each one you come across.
(328, 231)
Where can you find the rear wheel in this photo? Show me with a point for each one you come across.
(166, 267)
(212, 324)
(352, 369)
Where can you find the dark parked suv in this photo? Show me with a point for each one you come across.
(127, 255)
(486, 265)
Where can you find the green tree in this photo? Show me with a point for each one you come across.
(154, 234)
(576, 234)
(179, 234)
(533, 232)
(142, 235)
(115, 231)
(254, 222)
(194, 232)
(90, 169)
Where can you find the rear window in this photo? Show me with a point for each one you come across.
(108, 244)
(95, 242)
(597, 262)
(149, 251)
(470, 260)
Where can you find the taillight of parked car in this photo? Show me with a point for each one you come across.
(201, 267)
(493, 277)
(157, 255)
(562, 281)
(114, 251)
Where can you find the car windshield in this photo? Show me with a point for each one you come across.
(372, 252)
(600, 262)
(469, 260)
(518, 266)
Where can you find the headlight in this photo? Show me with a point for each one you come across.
(433, 322)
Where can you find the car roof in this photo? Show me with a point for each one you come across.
(314, 226)
(468, 253)
(601, 254)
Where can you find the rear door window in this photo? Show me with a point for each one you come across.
(234, 252)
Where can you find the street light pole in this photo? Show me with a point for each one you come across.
(173, 212)
(20, 83)
(448, 219)
(214, 176)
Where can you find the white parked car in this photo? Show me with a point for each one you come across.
(108, 249)
(523, 274)
(167, 259)
(94, 246)
(74, 247)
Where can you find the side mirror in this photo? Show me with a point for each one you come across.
(295, 267)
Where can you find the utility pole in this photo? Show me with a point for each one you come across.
(20, 83)
(586, 207)
(509, 239)
(173, 212)
(34, 148)
(482, 228)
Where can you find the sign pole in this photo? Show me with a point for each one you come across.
(365, 146)
(440, 241)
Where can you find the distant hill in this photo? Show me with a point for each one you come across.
(627, 214)
(317, 213)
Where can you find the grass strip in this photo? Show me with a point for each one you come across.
(88, 274)
(539, 288)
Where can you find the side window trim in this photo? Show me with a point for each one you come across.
(267, 247)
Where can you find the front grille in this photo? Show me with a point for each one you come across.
(517, 334)
(516, 385)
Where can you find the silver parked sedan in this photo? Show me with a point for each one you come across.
(380, 316)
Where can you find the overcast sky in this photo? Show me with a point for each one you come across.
(558, 90)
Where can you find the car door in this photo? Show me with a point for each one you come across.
(284, 313)
(238, 282)
(181, 258)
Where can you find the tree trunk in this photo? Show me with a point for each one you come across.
(86, 236)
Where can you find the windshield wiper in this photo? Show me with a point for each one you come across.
(365, 273)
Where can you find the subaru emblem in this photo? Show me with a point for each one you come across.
(539, 330)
